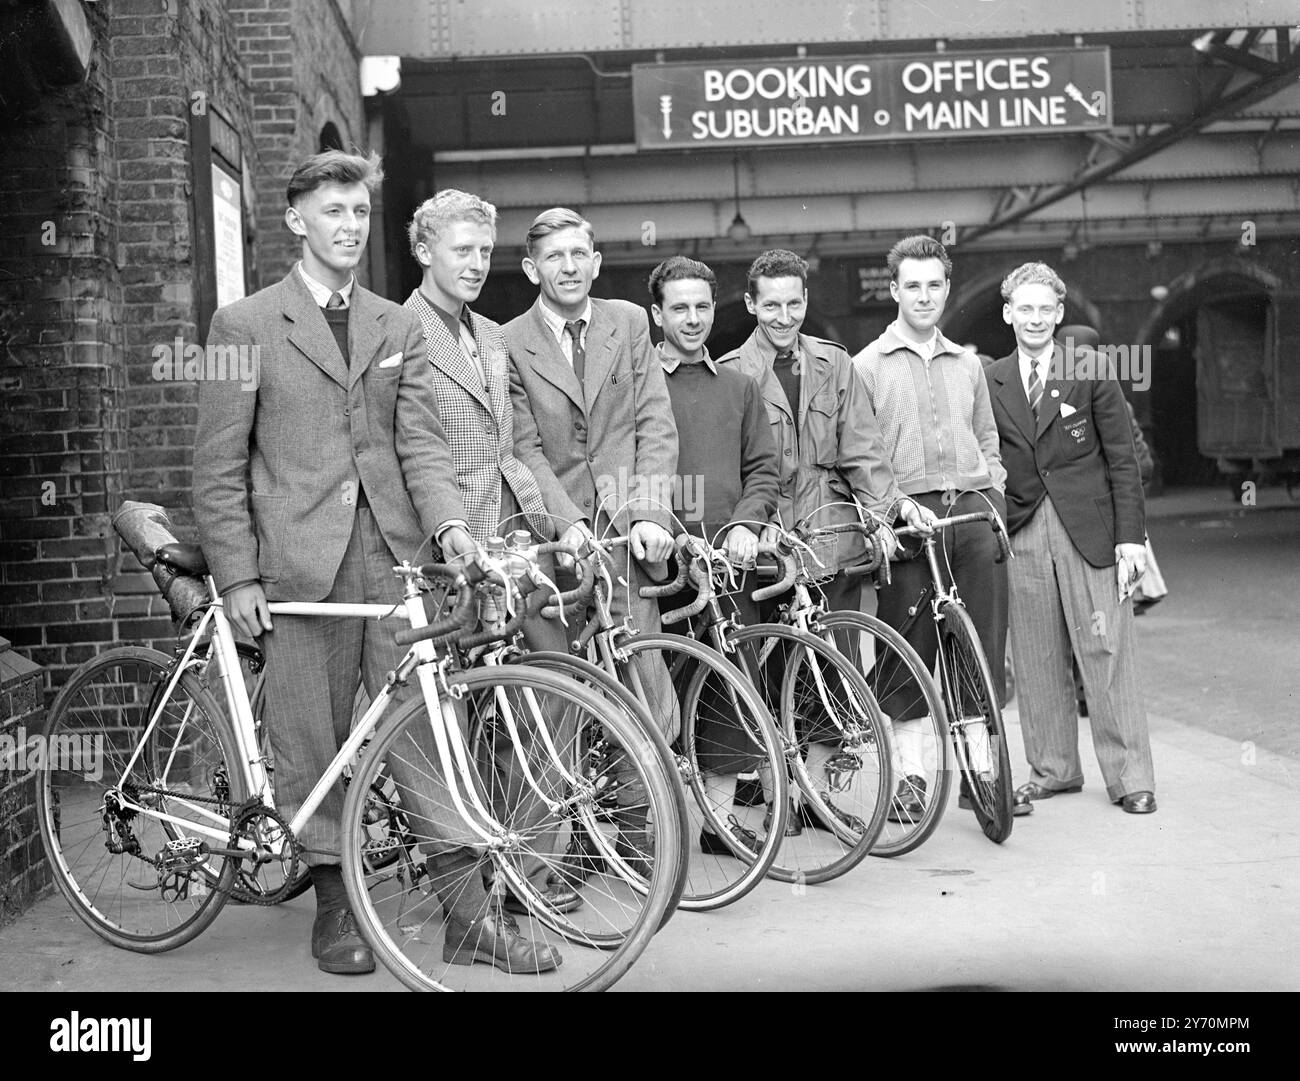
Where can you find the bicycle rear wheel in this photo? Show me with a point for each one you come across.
(913, 707)
(975, 720)
(726, 729)
(837, 748)
(542, 721)
(136, 881)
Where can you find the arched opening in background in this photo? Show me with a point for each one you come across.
(974, 316)
(330, 139)
(1213, 377)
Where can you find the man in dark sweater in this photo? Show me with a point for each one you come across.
(725, 488)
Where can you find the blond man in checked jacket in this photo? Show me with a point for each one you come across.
(452, 236)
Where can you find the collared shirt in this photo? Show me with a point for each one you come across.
(462, 330)
(671, 363)
(925, 349)
(556, 322)
(322, 293)
(1044, 366)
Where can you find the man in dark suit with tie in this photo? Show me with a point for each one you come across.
(1076, 518)
(350, 473)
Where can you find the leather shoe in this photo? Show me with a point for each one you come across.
(1030, 791)
(793, 821)
(496, 939)
(713, 845)
(849, 821)
(338, 946)
(908, 804)
(557, 897)
(1138, 803)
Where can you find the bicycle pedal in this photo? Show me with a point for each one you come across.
(182, 854)
(381, 853)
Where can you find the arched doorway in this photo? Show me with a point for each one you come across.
(1214, 355)
(330, 139)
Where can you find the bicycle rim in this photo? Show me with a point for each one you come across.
(913, 707)
(422, 914)
(979, 738)
(620, 697)
(725, 724)
(837, 750)
(155, 892)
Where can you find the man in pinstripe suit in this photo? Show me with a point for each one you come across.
(1076, 519)
(451, 237)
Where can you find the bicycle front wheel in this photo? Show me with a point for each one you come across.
(975, 719)
(914, 710)
(837, 749)
(459, 910)
(138, 881)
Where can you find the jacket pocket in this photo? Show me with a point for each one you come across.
(819, 430)
(269, 517)
(1078, 435)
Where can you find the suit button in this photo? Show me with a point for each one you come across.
(1046, 472)
(347, 412)
(587, 502)
(787, 453)
(591, 457)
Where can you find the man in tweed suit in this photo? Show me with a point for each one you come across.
(593, 421)
(452, 236)
(350, 472)
(1076, 519)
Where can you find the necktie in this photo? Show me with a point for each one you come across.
(574, 330)
(335, 301)
(1035, 388)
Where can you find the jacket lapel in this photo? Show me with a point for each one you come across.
(753, 363)
(548, 361)
(447, 355)
(601, 348)
(1053, 388)
(311, 335)
(365, 333)
(1011, 395)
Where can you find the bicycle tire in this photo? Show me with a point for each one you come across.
(972, 699)
(405, 925)
(717, 880)
(900, 682)
(826, 846)
(120, 896)
(607, 685)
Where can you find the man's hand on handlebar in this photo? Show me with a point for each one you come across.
(576, 536)
(650, 543)
(742, 545)
(918, 517)
(247, 609)
(458, 547)
(884, 537)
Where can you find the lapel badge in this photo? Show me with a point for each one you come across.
(1055, 393)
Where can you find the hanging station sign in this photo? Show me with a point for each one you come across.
(852, 99)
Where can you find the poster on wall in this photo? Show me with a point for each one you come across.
(227, 236)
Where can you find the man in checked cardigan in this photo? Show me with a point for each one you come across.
(452, 236)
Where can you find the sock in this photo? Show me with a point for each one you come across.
(327, 879)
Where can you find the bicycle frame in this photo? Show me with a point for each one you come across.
(421, 658)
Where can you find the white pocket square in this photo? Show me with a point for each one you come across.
(1067, 410)
(391, 362)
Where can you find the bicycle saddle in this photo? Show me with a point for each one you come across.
(187, 558)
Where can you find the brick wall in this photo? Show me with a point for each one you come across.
(24, 872)
(85, 301)
(302, 73)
